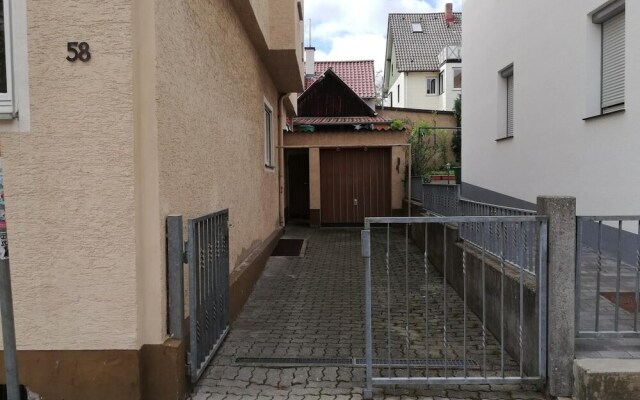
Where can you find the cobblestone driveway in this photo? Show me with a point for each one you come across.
(312, 306)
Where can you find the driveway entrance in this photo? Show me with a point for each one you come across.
(313, 307)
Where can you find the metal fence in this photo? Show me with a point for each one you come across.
(416, 188)
(415, 317)
(516, 243)
(441, 199)
(207, 253)
(607, 288)
(503, 240)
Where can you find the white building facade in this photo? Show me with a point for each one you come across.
(551, 103)
(423, 67)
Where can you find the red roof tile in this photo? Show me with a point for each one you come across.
(359, 75)
(339, 120)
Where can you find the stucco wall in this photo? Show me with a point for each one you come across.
(211, 123)
(554, 151)
(69, 183)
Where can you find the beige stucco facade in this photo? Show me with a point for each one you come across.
(166, 117)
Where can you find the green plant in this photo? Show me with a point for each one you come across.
(428, 148)
(456, 140)
(396, 124)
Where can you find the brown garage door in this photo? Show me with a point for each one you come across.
(354, 184)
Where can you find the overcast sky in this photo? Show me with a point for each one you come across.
(357, 29)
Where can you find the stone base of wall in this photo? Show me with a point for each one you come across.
(155, 372)
(244, 278)
(492, 289)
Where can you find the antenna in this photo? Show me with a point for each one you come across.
(310, 33)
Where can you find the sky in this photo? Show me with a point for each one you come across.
(357, 29)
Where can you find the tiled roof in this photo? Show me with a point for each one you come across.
(359, 75)
(418, 51)
(339, 120)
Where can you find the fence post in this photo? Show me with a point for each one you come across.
(8, 324)
(561, 213)
(175, 275)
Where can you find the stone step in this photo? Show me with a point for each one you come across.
(606, 379)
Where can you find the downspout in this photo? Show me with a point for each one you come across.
(281, 160)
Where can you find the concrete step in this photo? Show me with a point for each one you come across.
(606, 379)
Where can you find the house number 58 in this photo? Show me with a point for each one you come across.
(78, 51)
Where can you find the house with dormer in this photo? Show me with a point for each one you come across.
(423, 61)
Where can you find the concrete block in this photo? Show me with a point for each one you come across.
(606, 379)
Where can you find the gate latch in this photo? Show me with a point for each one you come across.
(355, 202)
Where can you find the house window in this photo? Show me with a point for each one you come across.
(268, 137)
(431, 86)
(391, 97)
(457, 78)
(6, 61)
(611, 17)
(507, 78)
(441, 83)
(398, 99)
(416, 27)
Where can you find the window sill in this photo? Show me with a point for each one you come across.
(504, 138)
(622, 110)
(269, 168)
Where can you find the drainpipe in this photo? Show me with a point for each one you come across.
(281, 160)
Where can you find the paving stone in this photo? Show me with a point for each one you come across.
(312, 307)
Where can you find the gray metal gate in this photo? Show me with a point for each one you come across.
(207, 253)
(479, 318)
(608, 276)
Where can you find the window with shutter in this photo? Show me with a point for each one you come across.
(611, 18)
(613, 63)
(506, 101)
(510, 105)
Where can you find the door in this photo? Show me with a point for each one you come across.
(298, 171)
(354, 183)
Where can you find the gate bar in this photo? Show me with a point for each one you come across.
(175, 275)
(366, 254)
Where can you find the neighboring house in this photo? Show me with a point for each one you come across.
(423, 60)
(343, 161)
(567, 127)
(358, 75)
(170, 107)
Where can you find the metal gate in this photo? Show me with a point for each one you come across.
(456, 311)
(207, 253)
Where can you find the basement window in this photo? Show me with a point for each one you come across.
(416, 27)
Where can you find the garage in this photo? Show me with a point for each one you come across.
(355, 183)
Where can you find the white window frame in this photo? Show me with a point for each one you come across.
(441, 85)
(416, 27)
(268, 136)
(7, 100)
(606, 13)
(435, 85)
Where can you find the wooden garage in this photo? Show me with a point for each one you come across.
(354, 183)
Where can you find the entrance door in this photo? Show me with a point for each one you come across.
(298, 170)
(354, 183)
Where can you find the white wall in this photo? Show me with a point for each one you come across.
(553, 46)
(413, 90)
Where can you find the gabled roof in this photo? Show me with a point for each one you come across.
(418, 51)
(359, 75)
(330, 96)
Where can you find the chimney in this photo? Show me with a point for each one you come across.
(448, 14)
(309, 61)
